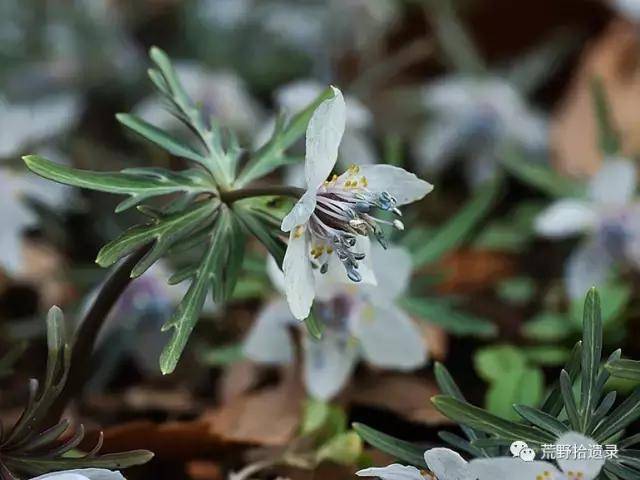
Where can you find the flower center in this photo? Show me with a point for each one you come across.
(344, 210)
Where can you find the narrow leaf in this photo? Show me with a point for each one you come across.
(402, 450)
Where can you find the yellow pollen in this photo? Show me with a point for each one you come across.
(298, 231)
(329, 250)
(363, 181)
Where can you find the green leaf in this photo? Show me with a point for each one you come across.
(494, 362)
(221, 356)
(515, 387)
(472, 416)
(400, 449)
(160, 138)
(627, 369)
(139, 183)
(453, 233)
(111, 461)
(261, 226)
(553, 404)
(541, 419)
(314, 327)
(343, 449)
(316, 413)
(608, 137)
(211, 274)
(440, 312)
(623, 416)
(517, 290)
(540, 176)
(546, 355)
(449, 387)
(163, 232)
(454, 40)
(272, 154)
(591, 355)
(614, 299)
(570, 407)
(534, 68)
(548, 327)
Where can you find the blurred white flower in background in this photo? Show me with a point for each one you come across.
(475, 119)
(136, 319)
(628, 8)
(356, 146)
(306, 26)
(25, 125)
(610, 218)
(82, 474)
(330, 225)
(221, 94)
(15, 187)
(359, 320)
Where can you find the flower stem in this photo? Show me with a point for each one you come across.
(87, 332)
(276, 191)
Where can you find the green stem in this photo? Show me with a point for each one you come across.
(277, 191)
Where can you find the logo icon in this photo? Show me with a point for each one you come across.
(521, 450)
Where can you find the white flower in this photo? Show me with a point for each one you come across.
(17, 216)
(333, 218)
(516, 468)
(24, 125)
(609, 216)
(475, 118)
(444, 464)
(82, 474)
(360, 320)
(222, 94)
(628, 8)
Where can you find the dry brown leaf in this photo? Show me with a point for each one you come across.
(237, 379)
(168, 441)
(204, 470)
(436, 339)
(269, 417)
(473, 270)
(612, 57)
(405, 395)
(43, 267)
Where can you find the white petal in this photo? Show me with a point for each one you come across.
(615, 183)
(301, 211)
(447, 464)
(324, 134)
(512, 468)
(405, 187)
(389, 338)
(588, 266)
(328, 364)
(365, 266)
(589, 467)
(83, 474)
(392, 268)
(564, 218)
(394, 471)
(298, 276)
(268, 340)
